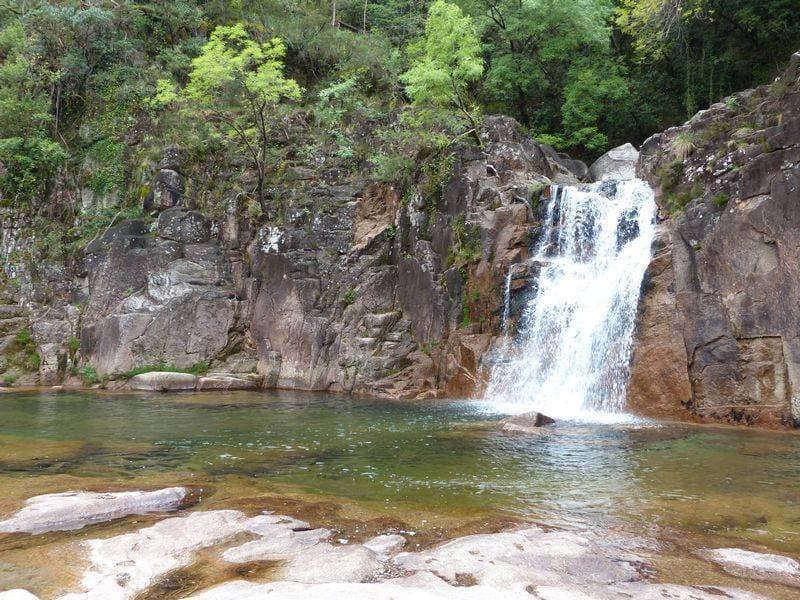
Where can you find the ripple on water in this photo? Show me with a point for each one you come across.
(436, 458)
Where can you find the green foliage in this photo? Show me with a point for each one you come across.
(199, 368)
(21, 356)
(88, 375)
(697, 51)
(445, 61)
(721, 199)
(237, 82)
(467, 247)
(393, 168)
(683, 145)
(349, 296)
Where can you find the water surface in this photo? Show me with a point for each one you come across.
(442, 458)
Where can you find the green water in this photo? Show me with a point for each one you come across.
(439, 457)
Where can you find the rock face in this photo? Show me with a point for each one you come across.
(357, 286)
(74, 510)
(719, 325)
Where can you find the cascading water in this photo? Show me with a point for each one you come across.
(570, 358)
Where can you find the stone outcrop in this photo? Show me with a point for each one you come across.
(719, 325)
(357, 286)
(527, 562)
(74, 510)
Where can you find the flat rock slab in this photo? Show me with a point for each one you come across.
(166, 381)
(642, 591)
(414, 588)
(220, 382)
(125, 565)
(242, 590)
(756, 565)
(17, 595)
(73, 510)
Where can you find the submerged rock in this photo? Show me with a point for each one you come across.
(756, 565)
(163, 382)
(74, 510)
(531, 422)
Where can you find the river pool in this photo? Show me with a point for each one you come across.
(426, 463)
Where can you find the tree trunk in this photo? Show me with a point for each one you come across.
(365, 16)
(333, 13)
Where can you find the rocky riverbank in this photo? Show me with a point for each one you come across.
(283, 557)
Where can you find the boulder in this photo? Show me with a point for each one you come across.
(227, 381)
(531, 422)
(74, 510)
(618, 163)
(163, 381)
(184, 226)
(168, 189)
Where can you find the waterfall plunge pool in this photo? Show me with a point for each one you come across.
(428, 465)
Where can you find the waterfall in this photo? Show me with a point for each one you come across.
(570, 357)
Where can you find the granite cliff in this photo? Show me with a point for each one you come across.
(718, 333)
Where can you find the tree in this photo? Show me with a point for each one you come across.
(28, 157)
(540, 54)
(238, 83)
(707, 49)
(446, 61)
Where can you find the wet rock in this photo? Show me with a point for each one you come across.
(430, 587)
(618, 163)
(184, 226)
(222, 382)
(74, 510)
(531, 423)
(756, 565)
(165, 381)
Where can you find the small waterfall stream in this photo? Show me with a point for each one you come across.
(570, 357)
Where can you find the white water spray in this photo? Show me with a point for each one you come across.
(570, 359)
